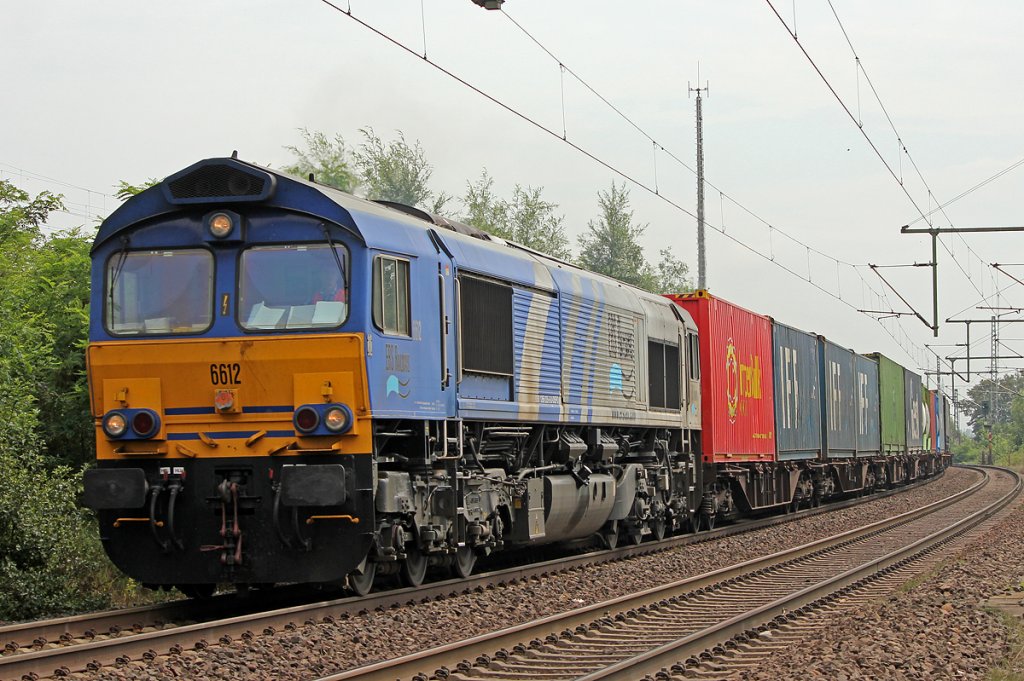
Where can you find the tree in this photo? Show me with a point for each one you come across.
(671, 274)
(126, 190)
(527, 219)
(59, 299)
(326, 159)
(533, 223)
(20, 216)
(611, 245)
(484, 210)
(396, 171)
(989, 402)
(51, 560)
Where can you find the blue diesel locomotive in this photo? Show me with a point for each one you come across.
(292, 384)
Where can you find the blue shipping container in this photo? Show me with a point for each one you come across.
(797, 403)
(838, 391)
(869, 434)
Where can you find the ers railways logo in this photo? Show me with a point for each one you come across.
(732, 381)
(741, 380)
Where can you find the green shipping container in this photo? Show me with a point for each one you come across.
(893, 405)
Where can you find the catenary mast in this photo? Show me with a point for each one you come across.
(701, 265)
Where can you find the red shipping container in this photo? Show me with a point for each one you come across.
(737, 399)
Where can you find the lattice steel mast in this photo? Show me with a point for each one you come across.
(701, 265)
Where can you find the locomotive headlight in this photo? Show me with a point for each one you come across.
(115, 424)
(338, 419)
(145, 423)
(220, 225)
(306, 419)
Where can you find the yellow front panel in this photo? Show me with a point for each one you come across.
(267, 378)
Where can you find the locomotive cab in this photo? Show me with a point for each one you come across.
(228, 383)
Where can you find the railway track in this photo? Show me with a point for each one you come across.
(60, 646)
(664, 630)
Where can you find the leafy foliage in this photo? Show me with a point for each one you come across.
(51, 560)
(125, 190)
(611, 247)
(22, 217)
(671, 274)
(50, 556)
(59, 299)
(526, 218)
(326, 159)
(990, 402)
(484, 210)
(995, 413)
(396, 171)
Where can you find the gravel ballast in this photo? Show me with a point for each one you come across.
(938, 627)
(318, 649)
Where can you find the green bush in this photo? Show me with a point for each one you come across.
(51, 559)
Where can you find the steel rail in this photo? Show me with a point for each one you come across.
(120, 644)
(485, 644)
(666, 655)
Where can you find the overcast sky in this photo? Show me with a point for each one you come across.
(95, 93)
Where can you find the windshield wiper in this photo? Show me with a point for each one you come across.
(337, 260)
(121, 257)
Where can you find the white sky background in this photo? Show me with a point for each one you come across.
(99, 92)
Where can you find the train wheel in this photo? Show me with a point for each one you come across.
(635, 534)
(658, 527)
(414, 569)
(610, 534)
(707, 520)
(465, 561)
(362, 582)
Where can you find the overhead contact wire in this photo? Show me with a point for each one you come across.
(622, 174)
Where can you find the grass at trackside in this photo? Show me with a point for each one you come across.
(1011, 667)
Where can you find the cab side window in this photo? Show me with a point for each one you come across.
(663, 375)
(693, 352)
(391, 295)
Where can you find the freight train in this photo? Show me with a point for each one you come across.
(292, 384)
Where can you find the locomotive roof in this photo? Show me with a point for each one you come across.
(221, 182)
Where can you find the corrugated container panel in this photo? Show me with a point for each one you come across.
(537, 337)
(604, 356)
(916, 416)
(797, 395)
(838, 408)
(892, 405)
(869, 435)
(938, 411)
(737, 395)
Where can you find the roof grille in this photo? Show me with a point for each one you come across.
(220, 182)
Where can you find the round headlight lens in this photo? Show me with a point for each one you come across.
(220, 225)
(143, 423)
(115, 424)
(336, 419)
(306, 419)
